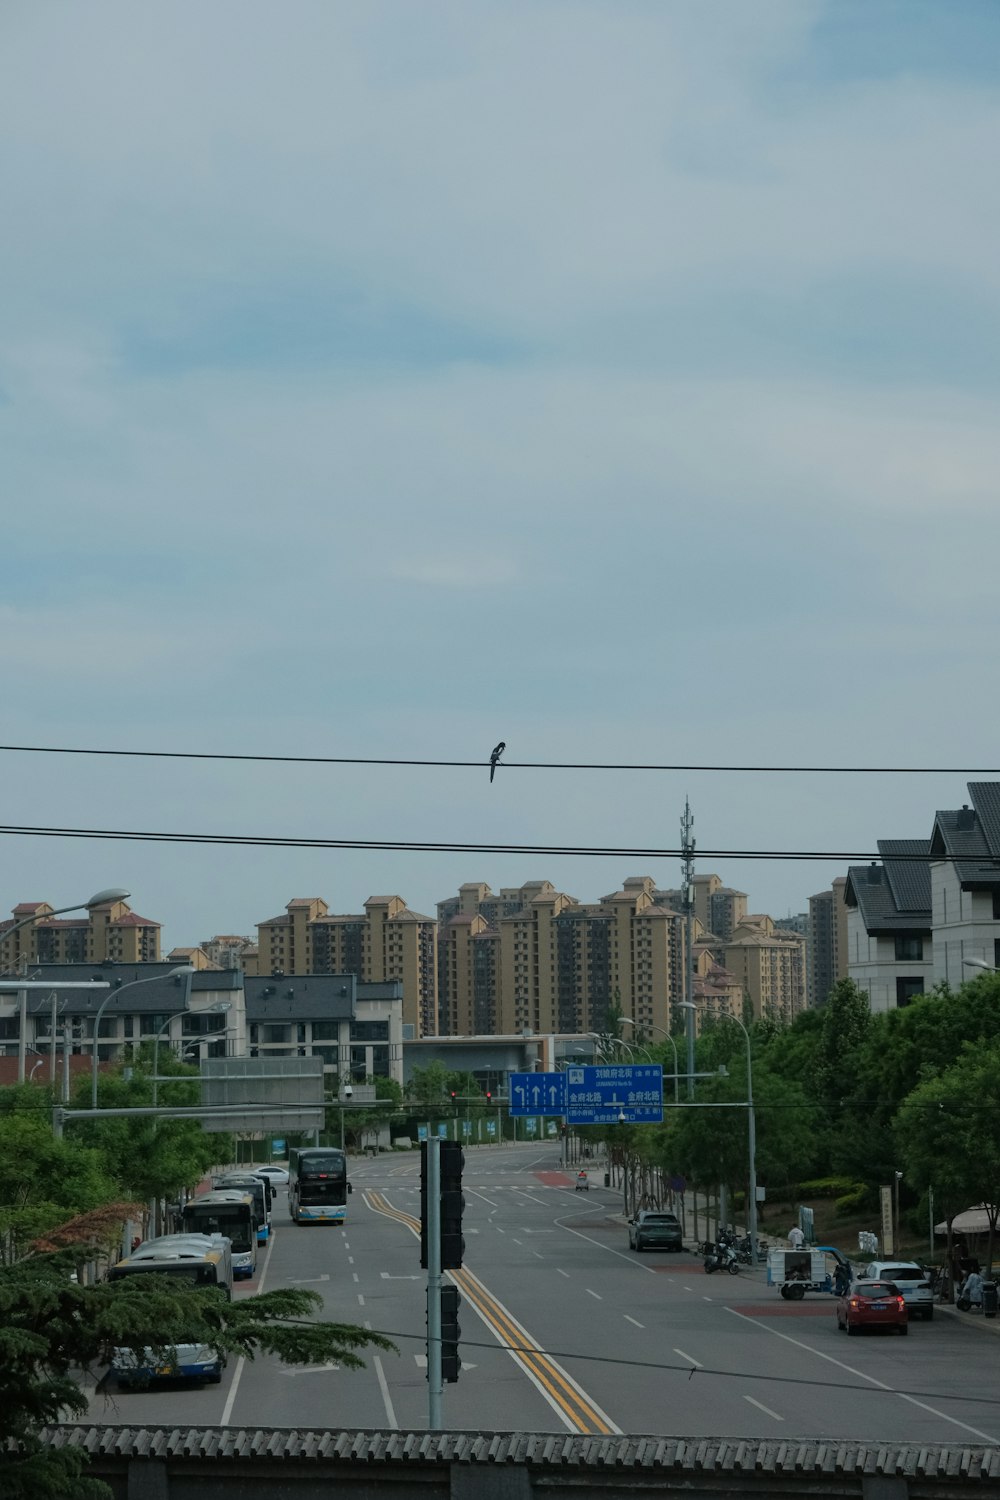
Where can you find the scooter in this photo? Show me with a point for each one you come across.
(722, 1258)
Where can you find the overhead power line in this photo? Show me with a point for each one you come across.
(508, 765)
(444, 846)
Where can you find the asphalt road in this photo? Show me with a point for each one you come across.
(605, 1340)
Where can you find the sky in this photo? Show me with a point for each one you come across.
(616, 379)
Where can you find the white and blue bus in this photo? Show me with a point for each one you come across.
(318, 1185)
(228, 1211)
(201, 1260)
(261, 1192)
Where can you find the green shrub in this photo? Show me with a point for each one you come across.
(860, 1198)
(828, 1187)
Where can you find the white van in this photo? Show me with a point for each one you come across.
(917, 1291)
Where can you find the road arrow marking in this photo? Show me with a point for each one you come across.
(310, 1370)
(307, 1280)
(387, 1277)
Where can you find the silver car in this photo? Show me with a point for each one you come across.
(912, 1282)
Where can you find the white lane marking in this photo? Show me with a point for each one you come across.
(766, 1409)
(637, 1265)
(515, 1239)
(538, 1255)
(356, 1276)
(499, 1230)
(690, 1358)
(227, 1410)
(361, 1299)
(630, 1319)
(383, 1385)
(862, 1375)
(562, 1272)
(593, 1294)
(473, 1193)
(350, 1260)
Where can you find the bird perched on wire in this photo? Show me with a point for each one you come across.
(495, 757)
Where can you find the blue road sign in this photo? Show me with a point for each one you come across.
(614, 1092)
(537, 1093)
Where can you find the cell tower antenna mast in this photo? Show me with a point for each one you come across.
(687, 884)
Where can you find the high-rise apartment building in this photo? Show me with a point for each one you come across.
(826, 941)
(719, 908)
(228, 950)
(386, 941)
(770, 966)
(534, 958)
(113, 933)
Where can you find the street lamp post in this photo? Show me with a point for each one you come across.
(217, 1009)
(627, 1021)
(187, 969)
(101, 899)
(752, 1137)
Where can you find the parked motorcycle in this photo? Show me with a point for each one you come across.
(722, 1257)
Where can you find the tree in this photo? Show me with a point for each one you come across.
(150, 1158)
(51, 1327)
(428, 1086)
(360, 1120)
(42, 1179)
(947, 1135)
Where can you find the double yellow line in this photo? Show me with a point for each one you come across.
(579, 1413)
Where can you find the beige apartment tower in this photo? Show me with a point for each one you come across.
(386, 941)
(107, 934)
(770, 966)
(535, 959)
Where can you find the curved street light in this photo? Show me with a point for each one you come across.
(218, 1008)
(103, 898)
(752, 1135)
(187, 969)
(628, 1021)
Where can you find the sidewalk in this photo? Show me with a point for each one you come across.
(988, 1325)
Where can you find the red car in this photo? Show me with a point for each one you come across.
(872, 1304)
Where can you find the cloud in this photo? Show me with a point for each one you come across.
(670, 330)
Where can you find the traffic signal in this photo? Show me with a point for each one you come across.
(489, 1095)
(451, 1362)
(452, 1205)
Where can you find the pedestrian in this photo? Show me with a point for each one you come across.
(972, 1290)
(841, 1279)
(796, 1238)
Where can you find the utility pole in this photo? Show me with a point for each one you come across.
(687, 877)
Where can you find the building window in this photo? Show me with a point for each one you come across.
(906, 989)
(276, 1033)
(909, 949)
(369, 1031)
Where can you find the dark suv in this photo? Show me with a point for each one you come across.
(652, 1230)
